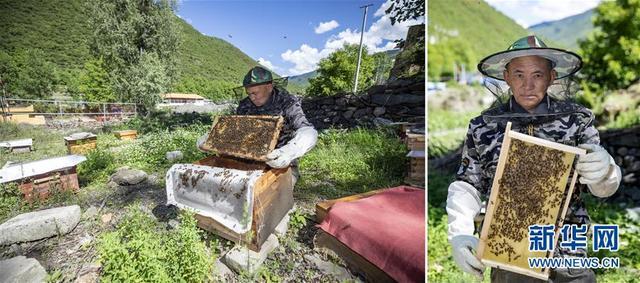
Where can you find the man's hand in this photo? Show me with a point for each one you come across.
(594, 166)
(280, 157)
(462, 247)
(304, 139)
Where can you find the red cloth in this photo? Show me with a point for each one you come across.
(388, 229)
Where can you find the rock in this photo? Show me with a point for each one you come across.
(381, 122)
(629, 178)
(378, 111)
(348, 114)
(173, 156)
(635, 166)
(341, 101)
(327, 101)
(634, 214)
(106, 218)
(359, 113)
(417, 111)
(221, 271)
(618, 160)
(622, 151)
(21, 269)
(327, 267)
(628, 160)
(283, 226)
(634, 193)
(126, 176)
(173, 224)
(90, 213)
(397, 99)
(39, 225)
(240, 259)
(89, 273)
(16, 249)
(376, 89)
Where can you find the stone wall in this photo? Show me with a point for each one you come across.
(624, 146)
(399, 100)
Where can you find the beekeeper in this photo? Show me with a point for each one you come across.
(538, 102)
(297, 136)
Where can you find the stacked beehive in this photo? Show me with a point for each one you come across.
(415, 175)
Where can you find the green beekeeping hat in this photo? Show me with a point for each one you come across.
(257, 75)
(565, 62)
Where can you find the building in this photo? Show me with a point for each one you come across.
(184, 98)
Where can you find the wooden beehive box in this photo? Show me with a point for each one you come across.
(244, 136)
(533, 184)
(272, 198)
(415, 141)
(126, 134)
(415, 173)
(80, 143)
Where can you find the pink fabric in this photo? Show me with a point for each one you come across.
(388, 229)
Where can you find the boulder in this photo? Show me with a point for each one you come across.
(21, 269)
(38, 225)
(126, 176)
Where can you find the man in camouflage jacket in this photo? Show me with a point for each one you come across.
(297, 136)
(529, 68)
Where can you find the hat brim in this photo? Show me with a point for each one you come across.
(566, 63)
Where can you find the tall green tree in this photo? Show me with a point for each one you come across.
(336, 72)
(94, 83)
(26, 73)
(611, 53)
(138, 41)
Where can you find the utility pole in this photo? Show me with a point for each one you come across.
(364, 22)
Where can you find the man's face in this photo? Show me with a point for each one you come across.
(529, 77)
(259, 94)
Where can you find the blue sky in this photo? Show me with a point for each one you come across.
(313, 29)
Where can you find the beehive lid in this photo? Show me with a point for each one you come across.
(80, 136)
(244, 136)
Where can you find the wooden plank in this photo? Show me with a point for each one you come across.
(323, 207)
(245, 136)
(510, 250)
(356, 262)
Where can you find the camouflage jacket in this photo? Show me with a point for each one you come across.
(281, 103)
(559, 121)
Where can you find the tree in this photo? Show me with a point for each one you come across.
(94, 83)
(27, 74)
(336, 72)
(612, 52)
(403, 10)
(138, 41)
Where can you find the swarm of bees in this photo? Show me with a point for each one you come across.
(530, 194)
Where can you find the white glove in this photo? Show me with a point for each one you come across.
(463, 204)
(462, 245)
(200, 142)
(598, 171)
(303, 141)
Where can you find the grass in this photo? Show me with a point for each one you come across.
(350, 162)
(443, 269)
(447, 130)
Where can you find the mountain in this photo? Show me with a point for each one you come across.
(60, 28)
(566, 32)
(465, 31)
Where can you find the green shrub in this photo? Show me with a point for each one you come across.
(140, 251)
(10, 200)
(100, 163)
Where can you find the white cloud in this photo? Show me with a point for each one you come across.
(326, 26)
(527, 13)
(267, 64)
(379, 37)
(304, 59)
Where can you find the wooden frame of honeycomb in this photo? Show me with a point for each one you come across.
(533, 184)
(245, 136)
